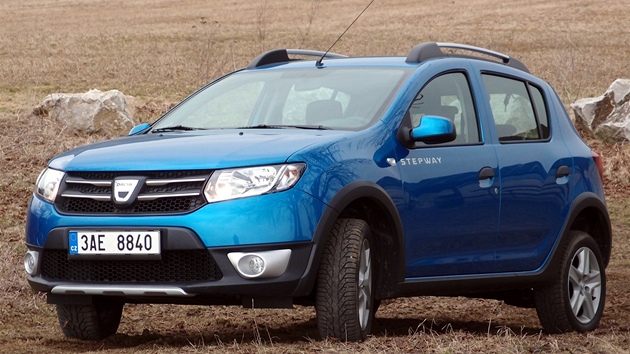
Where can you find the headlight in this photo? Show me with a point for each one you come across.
(249, 181)
(48, 184)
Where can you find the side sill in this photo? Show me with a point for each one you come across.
(471, 285)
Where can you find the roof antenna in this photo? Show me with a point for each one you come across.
(318, 63)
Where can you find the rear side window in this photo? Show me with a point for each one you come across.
(518, 108)
(541, 110)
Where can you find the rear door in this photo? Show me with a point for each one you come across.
(534, 172)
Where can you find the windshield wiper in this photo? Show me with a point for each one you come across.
(173, 128)
(267, 126)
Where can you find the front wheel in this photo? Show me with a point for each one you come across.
(90, 322)
(345, 284)
(575, 301)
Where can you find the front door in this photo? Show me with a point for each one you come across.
(451, 190)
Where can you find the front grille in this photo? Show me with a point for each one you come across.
(163, 192)
(175, 266)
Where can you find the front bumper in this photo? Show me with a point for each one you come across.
(194, 262)
(187, 268)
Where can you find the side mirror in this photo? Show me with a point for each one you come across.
(434, 130)
(138, 128)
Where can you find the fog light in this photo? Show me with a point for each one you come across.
(263, 264)
(256, 265)
(31, 260)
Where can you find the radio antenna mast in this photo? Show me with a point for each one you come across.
(319, 62)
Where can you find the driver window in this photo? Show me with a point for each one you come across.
(448, 96)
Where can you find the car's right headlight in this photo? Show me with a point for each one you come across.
(48, 184)
(250, 181)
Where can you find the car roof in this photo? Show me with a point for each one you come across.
(417, 55)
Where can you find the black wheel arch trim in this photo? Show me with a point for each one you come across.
(591, 200)
(342, 199)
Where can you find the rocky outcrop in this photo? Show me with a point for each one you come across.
(607, 116)
(109, 112)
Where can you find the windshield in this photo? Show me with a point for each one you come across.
(324, 98)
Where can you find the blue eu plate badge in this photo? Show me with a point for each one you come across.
(73, 242)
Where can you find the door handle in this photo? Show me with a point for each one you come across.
(563, 171)
(486, 178)
(486, 173)
(562, 174)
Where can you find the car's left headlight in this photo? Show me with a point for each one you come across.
(48, 184)
(250, 181)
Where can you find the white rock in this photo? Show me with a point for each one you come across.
(607, 116)
(109, 112)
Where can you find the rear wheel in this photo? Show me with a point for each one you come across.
(345, 284)
(91, 322)
(575, 301)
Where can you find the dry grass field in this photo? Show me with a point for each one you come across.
(161, 50)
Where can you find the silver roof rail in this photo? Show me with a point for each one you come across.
(282, 55)
(315, 53)
(429, 50)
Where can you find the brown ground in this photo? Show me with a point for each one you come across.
(160, 50)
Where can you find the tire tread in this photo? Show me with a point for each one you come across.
(336, 293)
(552, 300)
(89, 322)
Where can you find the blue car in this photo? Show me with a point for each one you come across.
(337, 182)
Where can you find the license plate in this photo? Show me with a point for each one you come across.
(114, 242)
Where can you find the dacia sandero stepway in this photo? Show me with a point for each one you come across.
(335, 182)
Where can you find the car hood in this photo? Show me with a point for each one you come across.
(192, 150)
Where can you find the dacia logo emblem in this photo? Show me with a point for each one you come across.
(125, 190)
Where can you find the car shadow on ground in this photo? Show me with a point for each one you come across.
(289, 333)
(443, 326)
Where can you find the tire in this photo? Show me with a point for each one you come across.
(90, 322)
(344, 298)
(575, 301)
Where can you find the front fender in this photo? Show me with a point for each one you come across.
(391, 252)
